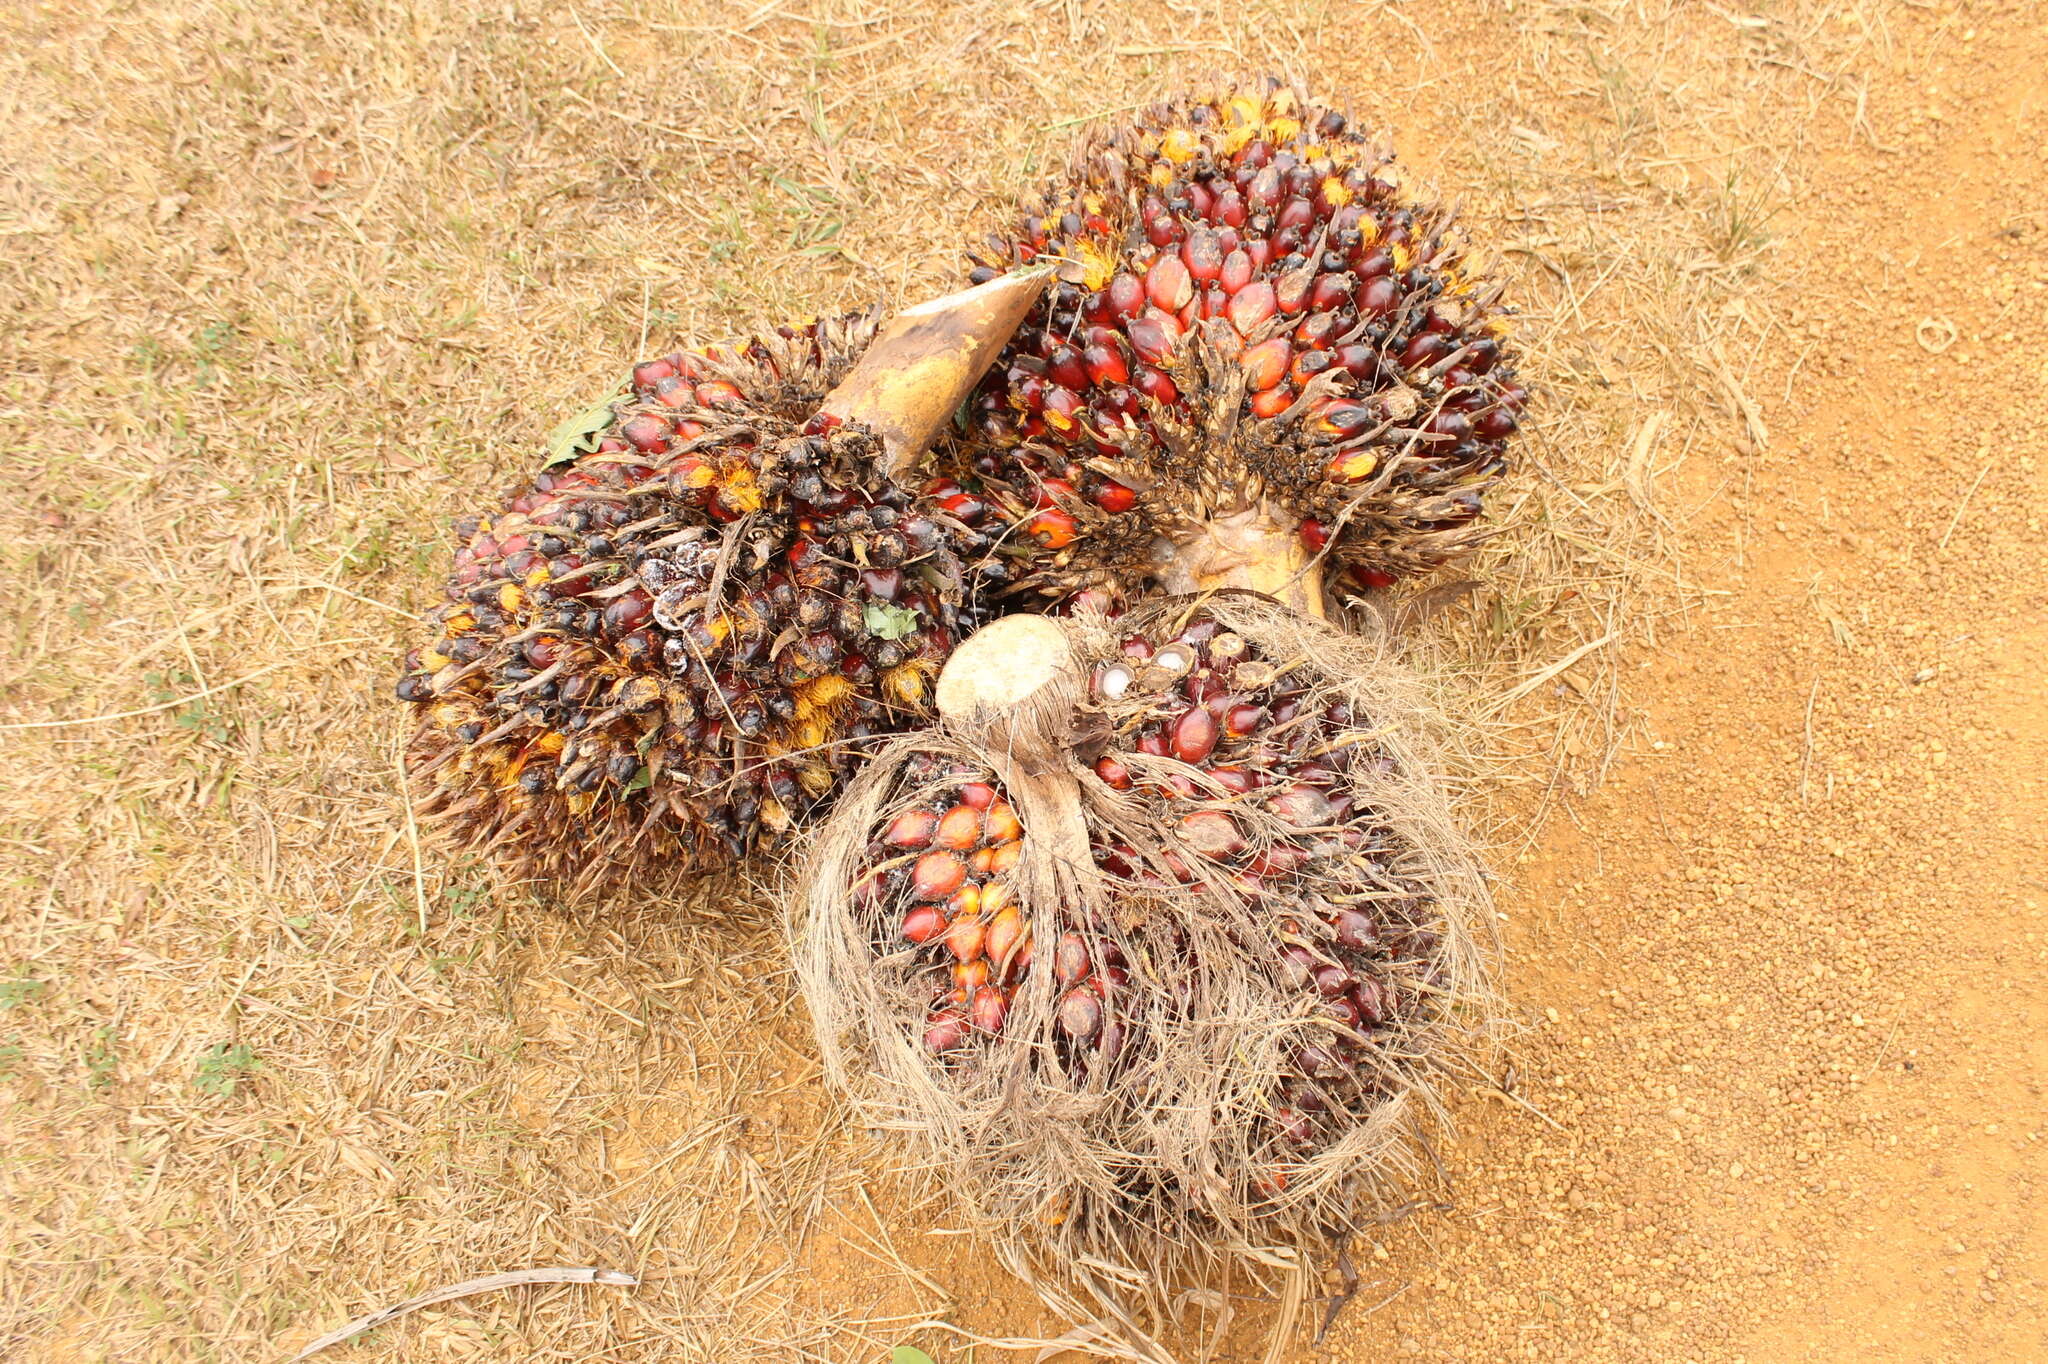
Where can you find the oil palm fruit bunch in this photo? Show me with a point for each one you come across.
(676, 640)
(1159, 937)
(1261, 361)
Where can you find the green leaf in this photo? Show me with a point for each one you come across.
(578, 435)
(889, 622)
(222, 1067)
(642, 779)
(20, 989)
(909, 1354)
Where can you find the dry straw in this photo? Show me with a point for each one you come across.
(1113, 1187)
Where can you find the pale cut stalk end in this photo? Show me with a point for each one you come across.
(925, 360)
(1003, 665)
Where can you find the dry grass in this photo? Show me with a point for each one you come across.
(284, 285)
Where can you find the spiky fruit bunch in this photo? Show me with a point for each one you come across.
(1254, 329)
(675, 641)
(1158, 940)
(1239, 779)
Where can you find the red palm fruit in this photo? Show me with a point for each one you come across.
(1212, 833)
(1194, 735)
(936, 875)
(1307, 365)
(1105, 365)
(1071, 961)
(1113, 773)
(1243, 718)
(911, 829)
(1496, 425)
(1265, 364)
(1306, 237)
(1303, 806)
(966, 938)
(1202, 253)
(1355, 930)
(1354, 466)
(1115, 498)
(1235, 780)
(1064, 367)
(1237, 271)
(923, 923)
(987, 1009)
(996, 896)
(1126, 296)
(647, 432)
(1151, 339)
(970, 975)
(946, 1032)
(959, 828)
(1053, 491)
(611, 689)
(1273, 402)
(1252, 305)
(1003, 825)
(1169, 285)
(1155, 385)
(1080, 1014)
(1053, 528)
(1005, 933)
(1331, 291)
(979, 794)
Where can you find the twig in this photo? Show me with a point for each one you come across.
(412, 828)
(490, 1283)
(1806, 754)
(1964, 505)
(597, 47)
(1341, 1297)
(1496, 1092)
(1886, 1045)
(172, 704)
(1516, 693)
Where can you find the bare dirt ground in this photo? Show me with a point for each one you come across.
(283, 287)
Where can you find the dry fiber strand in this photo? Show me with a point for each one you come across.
(1152, 949)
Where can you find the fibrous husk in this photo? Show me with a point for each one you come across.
(1113, 1176)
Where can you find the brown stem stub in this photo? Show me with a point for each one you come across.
(926, 360)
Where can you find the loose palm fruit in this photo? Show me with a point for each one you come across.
(677, 639)
(1259, 355)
